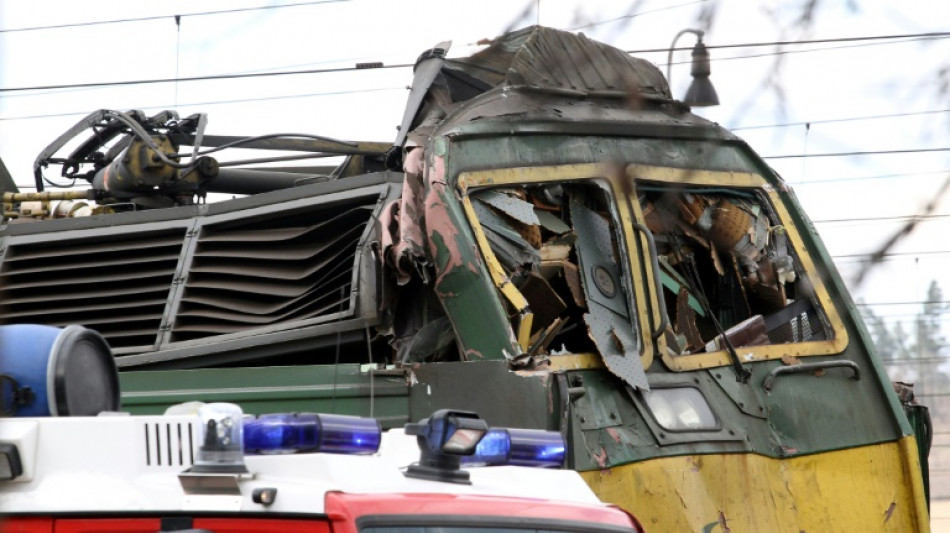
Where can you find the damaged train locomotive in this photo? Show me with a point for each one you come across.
(552, 241)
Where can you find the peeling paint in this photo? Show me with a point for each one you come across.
(614, 434)
(471, 352)
(601, 458)
(442, 231)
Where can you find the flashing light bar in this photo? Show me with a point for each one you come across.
(519, 447)
(310, 432)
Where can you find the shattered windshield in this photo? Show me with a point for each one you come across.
(726, 265)
(559, 245)
(728, 270)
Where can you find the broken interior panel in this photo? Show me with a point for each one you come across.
(728, 270)
(559, 246)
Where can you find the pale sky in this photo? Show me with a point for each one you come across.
(821, 82)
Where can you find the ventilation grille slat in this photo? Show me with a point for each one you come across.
(116, 284)
(169, 444)
(271, 270)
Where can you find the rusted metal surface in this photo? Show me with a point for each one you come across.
(528, 57)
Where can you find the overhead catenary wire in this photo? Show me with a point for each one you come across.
(896, 218)
(838, 120)
(212, 102)
(809, 50)
(931, 35)
(634, 15)
(859, 153)
(202, 78)
(160, 17)
(877, 177)
(922, 35)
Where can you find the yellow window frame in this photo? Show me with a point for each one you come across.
(839, 339)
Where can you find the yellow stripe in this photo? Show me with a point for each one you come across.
(494, 267)
(871, 488)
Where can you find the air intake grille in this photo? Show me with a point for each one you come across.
(265, 271)
(117, 285)
(169, 444)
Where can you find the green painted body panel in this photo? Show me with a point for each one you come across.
(342, 389)
(803, 414)
(465, 288)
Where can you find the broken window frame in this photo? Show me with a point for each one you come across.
(742, 182)
(633, 276)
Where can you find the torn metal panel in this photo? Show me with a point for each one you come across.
(403, 233)
(607, 320)
(551, 222)
(596, 250)
(468, 296)
(511, 248)
(514, 207)
(617, 346)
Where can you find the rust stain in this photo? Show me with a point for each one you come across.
(723, 523)
(790, 360)
(889, 511)
(614, 434)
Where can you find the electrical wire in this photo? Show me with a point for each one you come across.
(790, 52)
(406, 65)
(836, 120)
(923, 35)
(633, 15)
(864, 178)
(901, 218)
(213, 102)
(160, 17)
(201, 78)
(892, 254)
(850, 154)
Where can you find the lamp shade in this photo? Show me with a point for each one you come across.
(701, 93)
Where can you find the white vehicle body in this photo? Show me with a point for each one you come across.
(134, 466)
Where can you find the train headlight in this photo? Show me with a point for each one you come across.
(680, 409)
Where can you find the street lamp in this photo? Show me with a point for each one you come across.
(701, 92)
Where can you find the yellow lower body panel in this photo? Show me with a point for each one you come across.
(871, 488)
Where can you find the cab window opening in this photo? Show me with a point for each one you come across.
(724, 256)
(558, 245)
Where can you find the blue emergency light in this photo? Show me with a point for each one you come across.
(310, 432)
(449, 439)
(520, 447)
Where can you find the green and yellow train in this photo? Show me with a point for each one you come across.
(553, 242)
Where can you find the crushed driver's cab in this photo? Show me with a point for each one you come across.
(211, 468)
